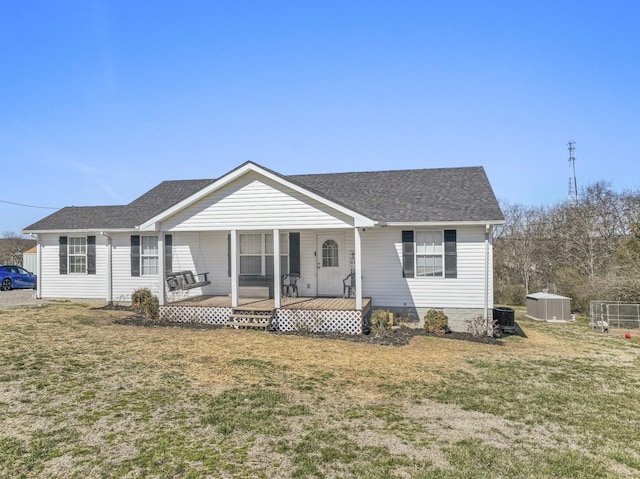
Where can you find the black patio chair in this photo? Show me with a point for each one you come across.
(349, 285)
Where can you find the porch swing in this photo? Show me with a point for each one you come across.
(185, 280)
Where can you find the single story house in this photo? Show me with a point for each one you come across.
(413, 239)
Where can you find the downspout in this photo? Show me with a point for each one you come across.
(486, 272)
(109, 269)
(38, 267)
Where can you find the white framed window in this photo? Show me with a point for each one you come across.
(77, 254)
(149, 255)
(429, 254)
(256, 253)
(284, 253)
(250, 251)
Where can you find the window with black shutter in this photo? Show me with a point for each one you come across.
(135, 255)
(450, 254)
(91, 255)
(294, 253)
(168, 253)
(434, 252)
(408, 252)
(62, 242)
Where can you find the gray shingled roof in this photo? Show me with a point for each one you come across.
(439, 194)
(153, 202)
(428, 195)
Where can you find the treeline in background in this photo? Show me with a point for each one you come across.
(587, 249)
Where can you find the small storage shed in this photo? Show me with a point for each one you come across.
(30, 259)
(548, 306)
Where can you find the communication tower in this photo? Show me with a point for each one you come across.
(573, 184)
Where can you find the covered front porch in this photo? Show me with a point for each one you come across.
(326, 263)
(314, 314)
(253, 230)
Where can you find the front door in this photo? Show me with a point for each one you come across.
(329, 258)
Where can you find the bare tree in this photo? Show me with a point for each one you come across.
(518, 251)
(589, 249)
(12, 246)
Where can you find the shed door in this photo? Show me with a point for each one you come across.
(329, 258)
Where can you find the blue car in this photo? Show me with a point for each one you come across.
(14, 277)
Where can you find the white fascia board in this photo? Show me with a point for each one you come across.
(79, 231)
(151, 224)
(445, 223)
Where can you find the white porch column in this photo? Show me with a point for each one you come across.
(161, 269)
(358, 269)
(234, 268)
(277, 293)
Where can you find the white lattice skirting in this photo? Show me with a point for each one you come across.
(194, 314)
(317, 321)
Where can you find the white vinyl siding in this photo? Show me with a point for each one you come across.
(207, 252)
(123, 283)
(204, 252)
(383, 281)
(81, 286)
(197, 252)
(255, 203)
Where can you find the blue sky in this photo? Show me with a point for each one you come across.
(102, 100)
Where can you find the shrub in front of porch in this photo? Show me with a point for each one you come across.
(381, 320)
(436, 322)
(143, 301)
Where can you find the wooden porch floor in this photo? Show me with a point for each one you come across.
(335, 304)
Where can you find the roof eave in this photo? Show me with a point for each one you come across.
(78, 230)
(445, 223)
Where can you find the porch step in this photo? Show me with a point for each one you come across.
(251, 318)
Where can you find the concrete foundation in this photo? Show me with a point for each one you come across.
(458, 317)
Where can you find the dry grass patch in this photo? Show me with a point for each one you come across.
(83, 397)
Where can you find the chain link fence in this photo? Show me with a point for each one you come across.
(612, 314)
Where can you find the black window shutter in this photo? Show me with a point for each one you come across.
(135, 255)
(294, 253)
(450, 254)
(168, 253)
(408, 255)
(229, 255)
(62, 241)
(91, 255)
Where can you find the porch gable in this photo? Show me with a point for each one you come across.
(252, 191)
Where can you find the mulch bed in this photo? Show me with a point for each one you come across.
(396, 337)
